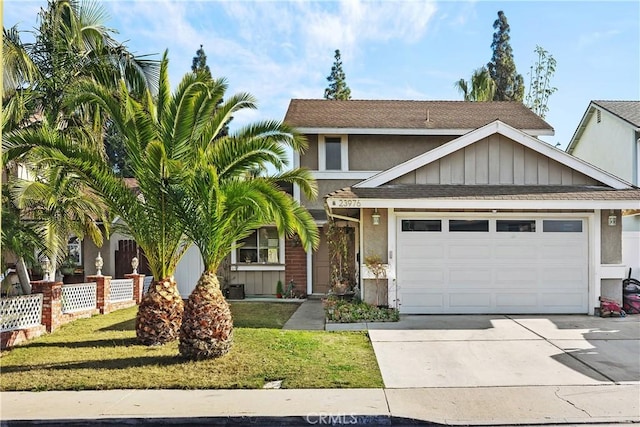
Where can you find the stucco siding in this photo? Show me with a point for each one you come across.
(309, 159)
(610, 238)
(608, 145)
(381, 152)
(495, 160)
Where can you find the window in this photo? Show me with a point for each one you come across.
(332, 153)
(516, 226)
(561, 226)
(421, 225)
(468, 225)
(262, 246)
(74, 247)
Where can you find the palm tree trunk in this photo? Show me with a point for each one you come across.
(160, 313)
(207, 325)
(23, 276)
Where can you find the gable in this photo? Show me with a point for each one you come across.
(495, 160)
(518, 139)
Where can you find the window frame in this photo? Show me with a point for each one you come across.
(344, 153)
(239, 265)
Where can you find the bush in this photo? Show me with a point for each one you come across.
(341, 311)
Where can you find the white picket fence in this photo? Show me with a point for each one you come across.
(121, 290)
(78, 297)
(20, 312)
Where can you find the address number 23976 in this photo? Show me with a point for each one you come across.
(347, 203)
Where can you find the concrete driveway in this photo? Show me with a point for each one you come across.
(496, 350)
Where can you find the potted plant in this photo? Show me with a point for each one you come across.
(279, 289)
(68, 266)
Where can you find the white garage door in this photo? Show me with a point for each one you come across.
(493, 265)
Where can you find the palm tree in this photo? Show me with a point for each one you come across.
(222, 200)
(480, 88)
(156, 135)
(71, 43)
(60, 206)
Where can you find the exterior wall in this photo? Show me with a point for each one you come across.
(495, 160)
(309, 159)
(381, 152)
(608, 145)
(258, 282)
(90, 252)
(326, 186)
(377, 152)
(188, 271)
(610, 238)
(375, 242)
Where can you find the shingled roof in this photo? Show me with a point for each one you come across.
(488, 192)
(418, 115)
(626, 110)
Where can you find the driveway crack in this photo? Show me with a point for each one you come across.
(571, 403)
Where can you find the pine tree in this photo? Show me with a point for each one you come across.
(502, 68)
(199, 64)
(337, 88)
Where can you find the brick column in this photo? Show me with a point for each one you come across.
(295, 266)
(138, 286)
(103, 292)
(51, 302)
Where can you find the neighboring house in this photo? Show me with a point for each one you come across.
(608, 137)
(474, 213)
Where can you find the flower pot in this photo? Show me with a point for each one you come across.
(67, 271)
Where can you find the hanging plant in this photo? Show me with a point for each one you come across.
(338, 240)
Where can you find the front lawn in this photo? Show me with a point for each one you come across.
(101, 353)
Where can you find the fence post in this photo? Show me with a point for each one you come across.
(138, 285)
(51, 302)
(103, 292)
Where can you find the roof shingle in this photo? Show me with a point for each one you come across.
(626, 110)
(390, 114)
(488, 192)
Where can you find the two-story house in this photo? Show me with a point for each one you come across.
(469, 209)
(608, 136)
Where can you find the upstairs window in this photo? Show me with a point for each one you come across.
(332, 153)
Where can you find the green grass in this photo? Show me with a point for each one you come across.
(247, 314)
(101, 353)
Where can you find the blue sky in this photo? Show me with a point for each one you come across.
(278, 50)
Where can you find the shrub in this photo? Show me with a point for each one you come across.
(342, 311)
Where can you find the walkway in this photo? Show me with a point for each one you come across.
(308, 317)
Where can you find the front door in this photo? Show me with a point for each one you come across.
(321, 267)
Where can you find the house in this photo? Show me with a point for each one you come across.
(608, 136)
(471, 212)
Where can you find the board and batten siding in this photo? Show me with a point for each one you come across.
(258, 282)
(495, 160)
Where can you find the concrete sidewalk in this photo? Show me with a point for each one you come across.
(308, 317)
(453, 406)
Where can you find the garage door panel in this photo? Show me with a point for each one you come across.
(514, 252)
(470, 299)
(520, 300)
(422, 299)
(469, 251)
(469, 279)
(516, 277)
(493, 272)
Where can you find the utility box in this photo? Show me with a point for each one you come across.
(236, 291)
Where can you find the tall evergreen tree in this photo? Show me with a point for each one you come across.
(337, 88)
(502, 68)
(199, 64)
